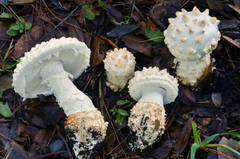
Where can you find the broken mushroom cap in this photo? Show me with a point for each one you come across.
(119, 66)
(192, 35)
(47, 69)
(75, 57)
(151, 88)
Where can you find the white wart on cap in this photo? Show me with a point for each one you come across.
(152, 89)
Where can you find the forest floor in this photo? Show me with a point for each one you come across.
(34, 128)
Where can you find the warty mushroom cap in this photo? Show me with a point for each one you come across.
(119, 66)
(73, 54)
(192, 35)
(153, 78)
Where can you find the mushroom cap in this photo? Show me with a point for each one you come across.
(119, 66)
(192, 35)
(147, 123)
(153, 77)
(73, 54)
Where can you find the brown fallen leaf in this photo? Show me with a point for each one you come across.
(216, 98)
(231, 143)
(215, 5)
(163, 151)
(74, 31)
(114, 15)
(33, 119)
(235, 42)
(133, 42)
(42, 138)
(183, 138)
(6, 82)
(16, 151)
(186, 96)
(236, 8)
(98, 50)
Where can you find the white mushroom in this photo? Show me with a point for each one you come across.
(46, 69)
(190, 37)
(152, 89)
(119, 66)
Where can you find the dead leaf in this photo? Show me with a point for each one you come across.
(30, 131)
(151, 25)
(183, 138)
(132, 42)
(33, 119)
(122, 30)
(235, 42)
(164, 150)
(74, 31)
(114, 14)
(167, 58)
(216, 98)
(110, 140)
(236, 8)
(16, 151)
(6, 132)
(42, 138)
(186, 96)
(6, 82)
(98, 51)
(231, 143)
(215, 5)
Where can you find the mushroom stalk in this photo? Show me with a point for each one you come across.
(68, 96)
(153, 94)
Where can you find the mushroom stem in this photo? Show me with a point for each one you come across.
(69, 97)
(84, 122)
(153, 94)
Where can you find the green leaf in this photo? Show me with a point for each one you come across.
(119, 119)
(87, 12)
(210, 138)
(14, 26)
(12, 32)
(195, 133)
(194, 148)
(1, 93)
(18, 21)
(102, 4)
(5, 15)
(122, 112)
(28, 25)
(5, 110)
(152, 35)
(123, 102)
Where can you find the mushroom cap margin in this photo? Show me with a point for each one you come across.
(153, 77)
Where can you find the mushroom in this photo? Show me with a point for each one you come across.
(191, 37)
(119, 66)
(152, 89)
(47, 69)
